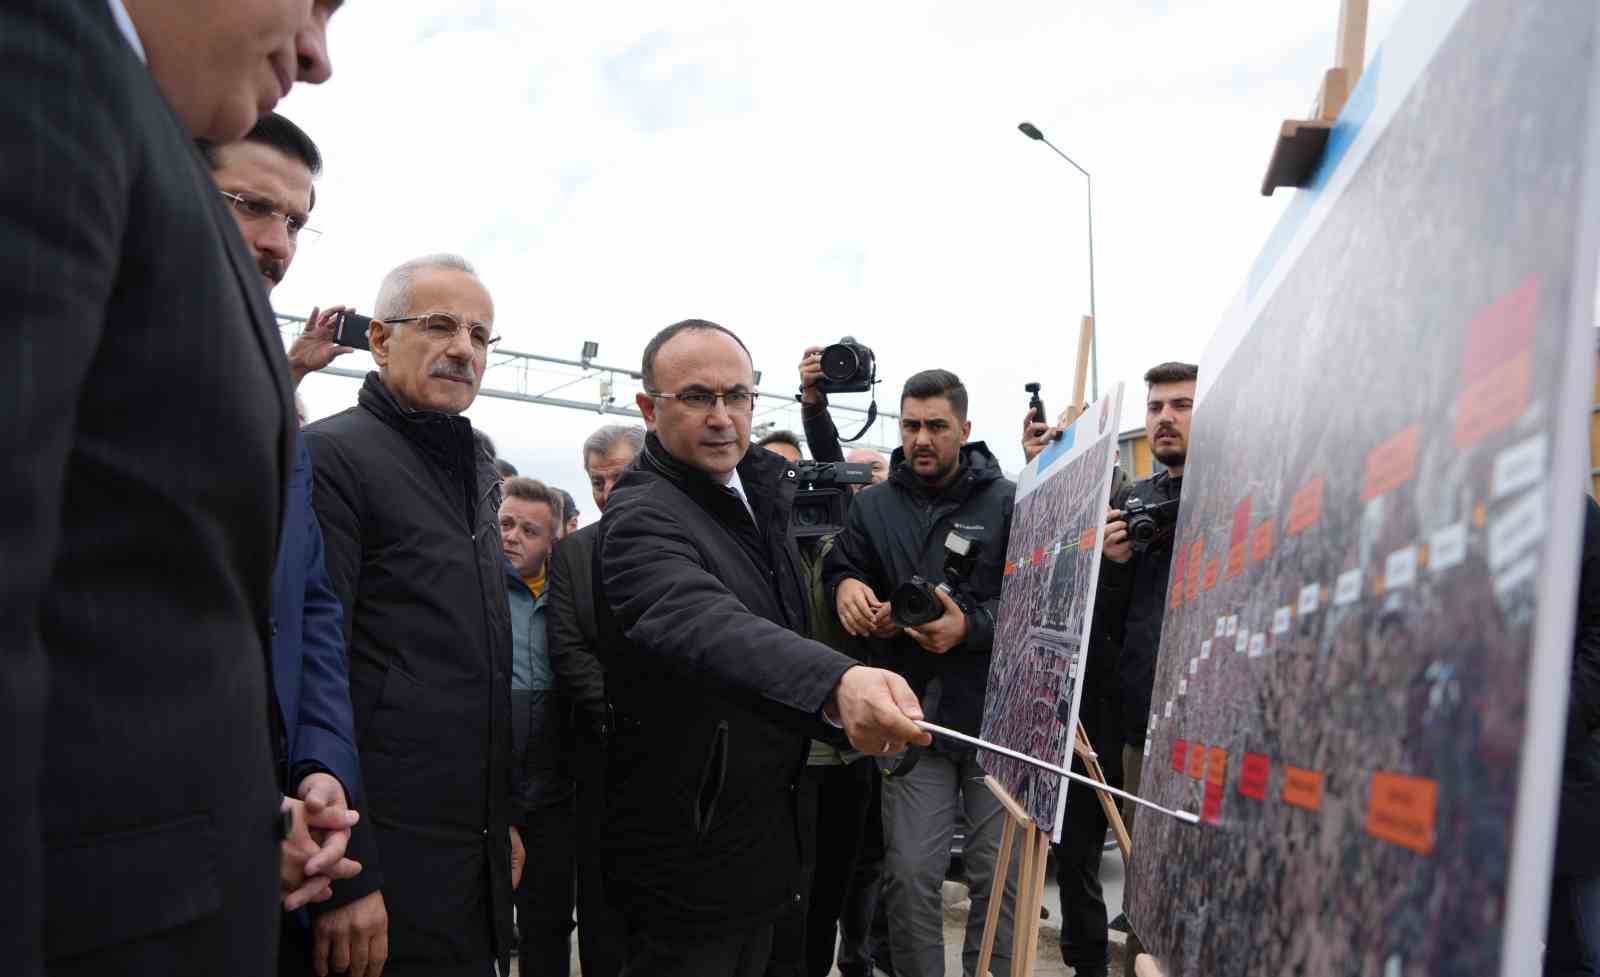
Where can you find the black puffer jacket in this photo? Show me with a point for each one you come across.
(408, 508)
(1129, 607)
(897, 530)
(713, 691)
(1578, 830)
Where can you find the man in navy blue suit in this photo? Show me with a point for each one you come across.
(266, 180)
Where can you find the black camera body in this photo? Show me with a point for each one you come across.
(847, 367)
(1146, 521)
(822, 495)
(916, 602)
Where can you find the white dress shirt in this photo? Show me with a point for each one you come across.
(119, 13)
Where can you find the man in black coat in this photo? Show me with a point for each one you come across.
(939, 484)
(711, 686)
(409, 513)
(149, 433)
(574, 647)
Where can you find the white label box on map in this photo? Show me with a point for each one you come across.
(1447, 547)
(1401, 569)
(1280, 620)
(1309, 595)
(1258, 644)
(1348, 589)
(1222, 627)
(1518, 467)
(1194, 666)
(1519, 526)
(1233, 625)
(1242, 642)
(1205, 648)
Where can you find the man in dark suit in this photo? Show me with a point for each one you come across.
(574, 644)
(268, 180)
(149, 435)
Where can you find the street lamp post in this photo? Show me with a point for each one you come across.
(1032, 132)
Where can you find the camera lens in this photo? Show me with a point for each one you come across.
(808, 515)
(839, 362)
(1142, 529)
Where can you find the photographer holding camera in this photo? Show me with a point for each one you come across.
(941, 491)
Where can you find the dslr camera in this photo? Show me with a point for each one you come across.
(847, 367)
(823, 493)
(916, 602)
(1147, 522)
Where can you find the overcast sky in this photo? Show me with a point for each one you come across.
(798, 172)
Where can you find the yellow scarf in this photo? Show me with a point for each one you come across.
(535, 583)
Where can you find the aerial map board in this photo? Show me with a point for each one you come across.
(1046, 603)
(1363, 667)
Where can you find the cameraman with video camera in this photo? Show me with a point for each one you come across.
(946, 507)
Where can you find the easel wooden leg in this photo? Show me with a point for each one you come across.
(1029, 903)
(1085, 751)
(1019, 922)
(997, 896)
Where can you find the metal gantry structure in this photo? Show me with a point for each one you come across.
(515, 375)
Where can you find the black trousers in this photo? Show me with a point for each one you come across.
(601, 936)
(863, 930)
(742, 953)
(831, 812)
(1084, 944)
(544, 898)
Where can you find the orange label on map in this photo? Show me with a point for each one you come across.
(1086, 541)
(1306, 507)
(1180, 560)
(1010, 568)
(1392, 463)
(1302, 788)
(1253, 775)
(1197, 761)
(1211, 573)
(1197, 555)
(1216, 779)
(1402, 810)
(1180, 750)
(1501, 331)
(1494, 402)
(1261, 541)
(1237, 537)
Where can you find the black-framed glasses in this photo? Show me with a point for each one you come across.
(441, 327)
(253, 207)
(737, 401)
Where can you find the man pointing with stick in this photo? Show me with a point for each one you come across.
(712, 688)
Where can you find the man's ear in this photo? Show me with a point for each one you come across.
(647, 407)
(378, 336)
(966, 431)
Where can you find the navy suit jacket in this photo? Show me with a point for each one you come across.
(308, 661)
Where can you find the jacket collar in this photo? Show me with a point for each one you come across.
(441, 436)
(759, 471)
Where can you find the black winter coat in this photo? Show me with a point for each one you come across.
(713, 690)
(1578, 830)
(1129, 607)
(408, 508)
(897, 530)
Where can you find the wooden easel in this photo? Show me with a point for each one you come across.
(1030, 886)
(1301, 141)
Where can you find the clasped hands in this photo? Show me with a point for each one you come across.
(312, 858)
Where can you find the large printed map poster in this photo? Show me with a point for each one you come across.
(1362, 671)
(1046, 602)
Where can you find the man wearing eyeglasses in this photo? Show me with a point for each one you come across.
(711, 684)
(409, 509)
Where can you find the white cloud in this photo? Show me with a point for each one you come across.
(798, 172)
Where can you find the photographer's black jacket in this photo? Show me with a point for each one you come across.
(1129, 607)
(897, 530)
(713, 690)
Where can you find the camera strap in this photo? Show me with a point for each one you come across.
(872, 418)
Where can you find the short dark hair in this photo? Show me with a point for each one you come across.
(279, 133)
(569, 505)
(505, 468)
(533, 490)
(647, 369)
(782, 437)
(1171, 372)
(937, 383)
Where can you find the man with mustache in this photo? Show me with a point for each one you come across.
(142, 815)
(409, 508)
(939, 484)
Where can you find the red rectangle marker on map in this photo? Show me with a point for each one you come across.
(1038, 556)
(1306, 507)
(1501, 331)
(1261, 541)
(1216, 780)
(1179, 755)
(1402, 810)
(1302, 788)
(1237, 537)
(1392, 463)
(1211, 573)
(1180, 560)
(1253, 776)
(1086, 541)
(1197, 556)
(1197, 761)
(1495, 402)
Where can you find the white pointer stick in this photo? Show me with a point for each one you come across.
(1185, 816)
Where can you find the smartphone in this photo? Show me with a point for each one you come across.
(352, 330)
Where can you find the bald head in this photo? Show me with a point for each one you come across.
(873, 457)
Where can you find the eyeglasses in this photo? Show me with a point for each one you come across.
(441, 327)
(254, 208)
(737, 401)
